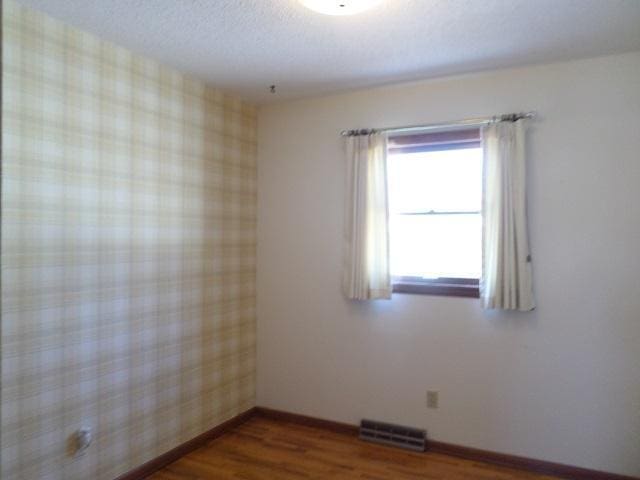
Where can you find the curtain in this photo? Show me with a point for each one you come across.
(366, 269)
(506, 281)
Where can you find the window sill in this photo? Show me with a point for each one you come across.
(452, 287)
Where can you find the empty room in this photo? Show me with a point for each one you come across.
(320, 239)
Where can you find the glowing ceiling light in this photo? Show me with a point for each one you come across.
(339, 7)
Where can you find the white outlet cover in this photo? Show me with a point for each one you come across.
(433, 398)
(84, 437)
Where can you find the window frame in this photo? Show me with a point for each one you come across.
(461, 138)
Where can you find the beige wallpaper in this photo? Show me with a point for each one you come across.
(128, 253)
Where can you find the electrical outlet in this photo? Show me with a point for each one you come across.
(432, 399)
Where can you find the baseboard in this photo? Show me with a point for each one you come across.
(308, 421)
(181, 450)
(522, 463)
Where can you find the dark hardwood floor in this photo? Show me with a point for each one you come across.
(264, 448)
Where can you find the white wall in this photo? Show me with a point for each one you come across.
(561, 383)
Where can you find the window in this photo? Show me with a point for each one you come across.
(435, 196)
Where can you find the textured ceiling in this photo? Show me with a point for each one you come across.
(246, 45)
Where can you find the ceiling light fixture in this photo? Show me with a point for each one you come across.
(339, 7)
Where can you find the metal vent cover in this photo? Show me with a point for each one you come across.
(396, 435)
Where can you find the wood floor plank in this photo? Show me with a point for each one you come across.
(264, 448)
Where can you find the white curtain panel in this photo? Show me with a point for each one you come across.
(506, 282)
(366, 268)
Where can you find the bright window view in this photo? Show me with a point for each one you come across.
(435, 203)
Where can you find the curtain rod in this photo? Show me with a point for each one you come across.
(469, 122)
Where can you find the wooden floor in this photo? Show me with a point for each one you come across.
(272, 449)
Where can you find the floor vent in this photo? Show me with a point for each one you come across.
(387, 434)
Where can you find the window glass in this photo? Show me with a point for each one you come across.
(447, 180)
(435, 223)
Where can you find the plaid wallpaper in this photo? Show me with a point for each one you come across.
(128, 253)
